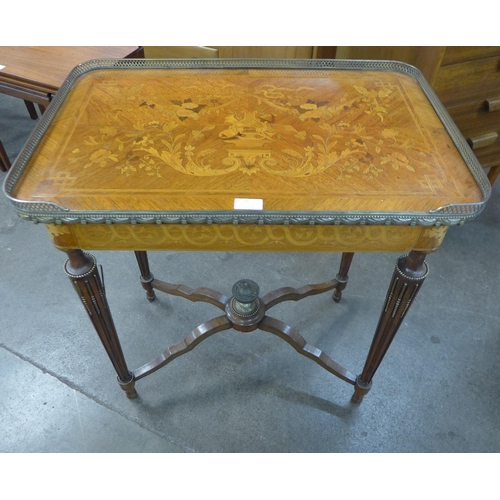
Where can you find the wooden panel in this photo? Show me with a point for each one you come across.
(325, 52)
(464, 82)
(426, 59)
(454, 55)
(247, 238)
(489, 156)
(405, 54)
(300, 140)
(154, 52)
(493, 173)
(473, 118)
(265, 52)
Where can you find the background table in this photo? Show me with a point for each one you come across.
(36, 73)
(343, 156)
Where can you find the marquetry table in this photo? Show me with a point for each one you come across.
(247, 155)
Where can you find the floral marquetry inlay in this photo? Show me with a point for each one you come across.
(196, 139)
(316, 135)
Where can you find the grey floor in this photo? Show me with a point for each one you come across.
(437, 390)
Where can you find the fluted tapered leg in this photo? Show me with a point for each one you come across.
(342, 276)
(82, 271)
(146, 276)
(409, 275)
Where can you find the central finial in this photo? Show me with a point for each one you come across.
(245, 291)
(245, 309)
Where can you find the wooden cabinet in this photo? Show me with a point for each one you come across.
(266, 52)
(468, 83)
(466, 79)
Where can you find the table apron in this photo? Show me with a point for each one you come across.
(247, 237)
(32, 93)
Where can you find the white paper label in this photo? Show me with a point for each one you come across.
(2, 67)
(248, 204)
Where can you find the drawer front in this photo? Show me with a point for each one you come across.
(476, 118)
(470, 81)
(481, 129)
(454, 55)
(489, 156)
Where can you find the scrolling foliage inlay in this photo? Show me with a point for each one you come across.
(226, 126)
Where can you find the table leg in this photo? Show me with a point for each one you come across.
(146, 276)
(4, 159)
(31, 109)
(342, 276)
(82, 270)
(411, 271)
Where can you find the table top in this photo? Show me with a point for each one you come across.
(48, 67)
(307, 141)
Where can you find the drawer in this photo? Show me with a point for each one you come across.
(464, 82)
(481, 129)
(489, 156)
(454, 55)
(475, 118)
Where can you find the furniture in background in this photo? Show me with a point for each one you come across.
(32, 110)
(154, 52)
(253, 156)
(36, 73)
(266, 52)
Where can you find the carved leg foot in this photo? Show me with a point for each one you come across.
(146, 276)
(360, 390)
(82, 271)
(342, 276)
(129, 387)
(410, 273)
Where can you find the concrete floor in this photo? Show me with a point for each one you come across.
(436, 391)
